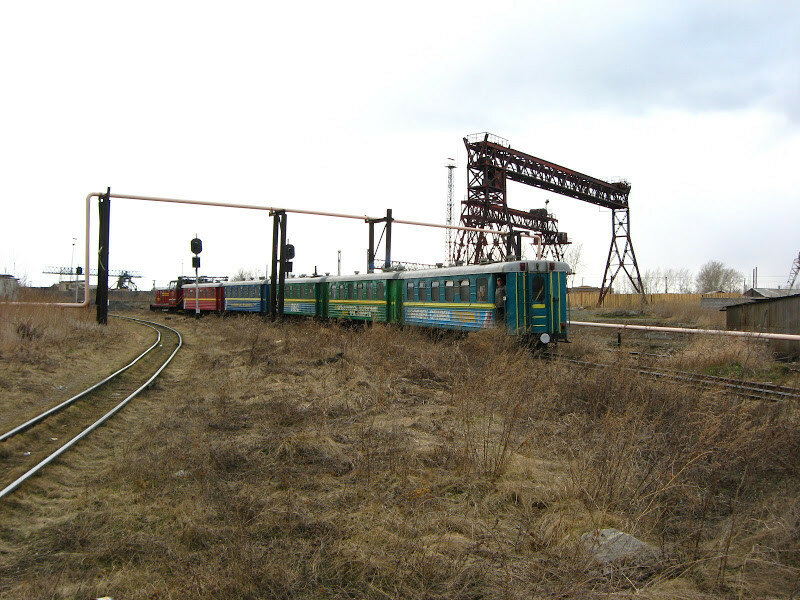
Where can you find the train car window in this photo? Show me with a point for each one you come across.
(482, 289)
(449, 291)
(538, 288)
(434, 291)
(350, 291)
(410, 291)
(332, 289)
(465, 289)
(423, 291)
(380, 291)
(360, 290)
(342, 291)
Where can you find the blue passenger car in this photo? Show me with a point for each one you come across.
(531, 301)
(247, 296)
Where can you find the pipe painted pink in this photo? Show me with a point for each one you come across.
(749, 334)
(86, 300)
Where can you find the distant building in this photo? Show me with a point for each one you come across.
(8, 286)
(770, 315)
(718, 300)
(761, 293)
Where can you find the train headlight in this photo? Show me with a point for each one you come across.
(545, 338)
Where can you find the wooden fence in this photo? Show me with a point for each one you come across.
(589, 299)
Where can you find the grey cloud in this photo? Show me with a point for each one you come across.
(692, 56)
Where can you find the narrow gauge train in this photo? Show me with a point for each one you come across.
(461, 298)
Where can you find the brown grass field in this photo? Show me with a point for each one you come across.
(310, 460)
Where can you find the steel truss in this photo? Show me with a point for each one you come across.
(793, 273)
(490, 163)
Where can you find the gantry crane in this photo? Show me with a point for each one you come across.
(491, 162)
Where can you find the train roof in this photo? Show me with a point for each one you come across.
(208, 284)
(512, 266)
(247, 282)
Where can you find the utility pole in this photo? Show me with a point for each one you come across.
(339, 262)
(104, 233)
(71, 261)
(451, 165)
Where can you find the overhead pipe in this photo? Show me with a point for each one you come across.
(746, 334)
(319, 213)
(86, 292)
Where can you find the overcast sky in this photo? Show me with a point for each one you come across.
(355, 107)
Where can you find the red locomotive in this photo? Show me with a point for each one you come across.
(173, 298)
(212, 297)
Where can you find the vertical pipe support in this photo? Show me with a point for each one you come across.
(282, 269)
(273, 282)
(387, 264)
(101, 299)
(371, 247)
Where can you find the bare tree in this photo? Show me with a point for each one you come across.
(714, 275)
(573, 256)
(243, 275)
(680, 280)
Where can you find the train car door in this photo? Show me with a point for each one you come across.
(321, 300)
(557, 285)
(517, 294)
(264, 294)
(538, 301)
(394, 300)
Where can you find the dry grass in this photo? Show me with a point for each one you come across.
(47, 353)
(312, 461)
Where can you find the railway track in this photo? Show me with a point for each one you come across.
(29, 447)
(755, 390)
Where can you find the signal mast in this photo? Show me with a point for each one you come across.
(451, 165)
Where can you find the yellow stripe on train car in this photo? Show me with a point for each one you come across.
(449, 305)
(337, 301)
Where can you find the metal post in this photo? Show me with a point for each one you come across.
(371, 248)
(71, 270)
(197, 291)
(273, 284)
(101, 298)
(282, 269)
(514, 245)
(388, 262)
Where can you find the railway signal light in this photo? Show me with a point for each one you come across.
(288, 252)
(196, 245)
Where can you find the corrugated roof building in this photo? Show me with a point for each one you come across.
(771, 315)
(8, 286)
